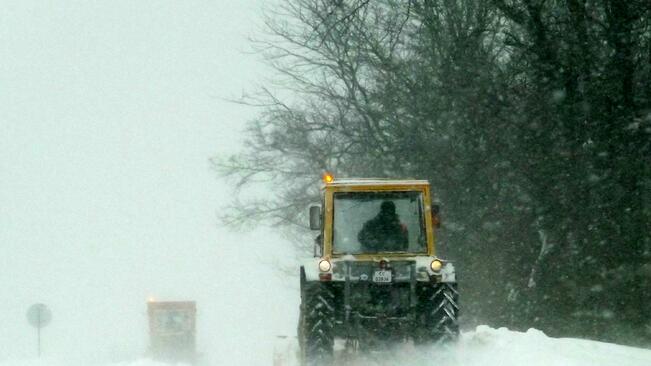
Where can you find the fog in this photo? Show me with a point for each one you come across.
(109, 112)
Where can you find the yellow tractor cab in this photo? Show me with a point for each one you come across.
(375, 276)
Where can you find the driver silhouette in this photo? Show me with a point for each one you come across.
(384, 232)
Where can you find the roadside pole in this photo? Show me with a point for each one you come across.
(38, 315)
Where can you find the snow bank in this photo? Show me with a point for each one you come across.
(533, 348)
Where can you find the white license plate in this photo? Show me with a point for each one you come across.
(382, 276)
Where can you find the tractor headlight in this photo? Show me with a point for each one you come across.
(436, 265)
(324, 265)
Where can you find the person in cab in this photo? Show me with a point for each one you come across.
(384, 232)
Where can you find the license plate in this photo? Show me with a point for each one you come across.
(382, 276)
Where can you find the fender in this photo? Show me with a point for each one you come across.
(447, 272)
(311, 269)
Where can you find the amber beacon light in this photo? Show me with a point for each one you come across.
(328, 177)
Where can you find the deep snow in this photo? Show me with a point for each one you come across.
(483, 346)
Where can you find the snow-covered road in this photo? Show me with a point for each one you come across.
(483, 346)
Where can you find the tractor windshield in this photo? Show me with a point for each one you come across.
(373, 222)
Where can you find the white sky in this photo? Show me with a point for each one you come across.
(109, 111)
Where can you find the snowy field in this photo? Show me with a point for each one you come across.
(484, 346)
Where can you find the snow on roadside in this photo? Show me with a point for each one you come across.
(533, 348)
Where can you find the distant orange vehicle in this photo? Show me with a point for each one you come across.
(172, 331)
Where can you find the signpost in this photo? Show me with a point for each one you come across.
(38, 315)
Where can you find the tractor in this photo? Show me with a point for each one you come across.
(375, 278)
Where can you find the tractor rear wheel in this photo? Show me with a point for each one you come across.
(316, 324)
(439, 311)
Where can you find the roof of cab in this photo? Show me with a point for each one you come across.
(376, 182)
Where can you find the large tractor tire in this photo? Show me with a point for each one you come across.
(439, 312)
(316, 323)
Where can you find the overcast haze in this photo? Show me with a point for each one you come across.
(109, 112)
